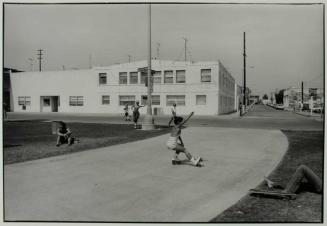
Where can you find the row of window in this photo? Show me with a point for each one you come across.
(125, 99)
(168, 77)
(170, 100)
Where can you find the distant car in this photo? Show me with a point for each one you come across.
(280, 107)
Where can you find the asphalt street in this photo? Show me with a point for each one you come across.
(260, 117)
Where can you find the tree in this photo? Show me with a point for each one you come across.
(265, 97)
(279, 97)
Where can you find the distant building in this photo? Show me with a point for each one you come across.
(293, 96)
(7, 92)
(206, 88)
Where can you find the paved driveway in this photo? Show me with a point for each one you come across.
(135, 182)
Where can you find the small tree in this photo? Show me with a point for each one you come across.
(265, 97)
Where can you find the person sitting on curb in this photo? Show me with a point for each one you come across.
(302, 172)
(64, 135)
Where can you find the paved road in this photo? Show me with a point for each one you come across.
(135, 182)
(261, 117)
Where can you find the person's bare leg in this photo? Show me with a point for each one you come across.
(300, 173)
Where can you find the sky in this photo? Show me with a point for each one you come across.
(284, 43)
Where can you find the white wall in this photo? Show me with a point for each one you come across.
(86, 83)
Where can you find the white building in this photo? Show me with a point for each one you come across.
(206, 88)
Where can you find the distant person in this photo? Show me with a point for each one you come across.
(4, 106)
(136, 113)
(64, 135)
(127, 116)
(173, 112)
(176, 144)
(302, 172)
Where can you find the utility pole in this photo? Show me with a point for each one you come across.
(302, 92)
(148, 122)
(40, 58)
(129, 58)
(185, 47)
(158, 46)
(244, 72)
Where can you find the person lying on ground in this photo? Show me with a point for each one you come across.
(302, 172)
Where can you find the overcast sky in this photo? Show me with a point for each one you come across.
(284, 43)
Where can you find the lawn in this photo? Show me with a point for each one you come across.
(305, 147)
(28, 140)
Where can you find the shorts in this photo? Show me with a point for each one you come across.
(171, 143)
(126, 114)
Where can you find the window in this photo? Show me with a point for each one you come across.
(201, 99)
(168, 77)
(155, 100)
(123, 100)
(144, 76)
(205, 75)
(133, 78)
(180, 76)
(102, 78)
(76, 101)
(24, 100)
(178, 99)
(105, 100)
(46, 102)
(122, 77)
(157, 77)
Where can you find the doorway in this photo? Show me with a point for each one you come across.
(49, 103)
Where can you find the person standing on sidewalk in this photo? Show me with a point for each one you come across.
(173, 112)
(136, 113)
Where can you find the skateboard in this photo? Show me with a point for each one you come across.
(186, 161)
(274, 194)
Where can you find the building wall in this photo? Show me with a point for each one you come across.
(64, 84)
(226, 91)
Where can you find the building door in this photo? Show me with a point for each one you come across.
(49, 103)
(55, 103)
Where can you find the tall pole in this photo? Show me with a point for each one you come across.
(302, 92)
(40, 58)
(129, 58)
(185, 46)
(244, 72)
(158, 46)
(148, 122)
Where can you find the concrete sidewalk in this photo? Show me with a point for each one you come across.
(135, 182)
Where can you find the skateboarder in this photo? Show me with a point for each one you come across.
(294, 183)
(173, 144)
(64, 135)
(136, 113)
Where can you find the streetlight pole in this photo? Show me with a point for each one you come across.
(148, 122)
